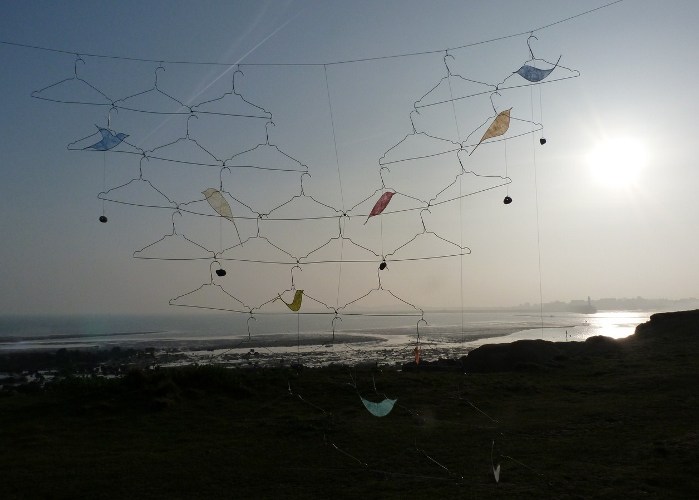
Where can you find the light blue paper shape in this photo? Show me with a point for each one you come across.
(534, 74)
(379, 409)
(109, 140)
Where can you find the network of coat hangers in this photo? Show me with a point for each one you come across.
(530, 72)
(177, 107)
(418, 145)
(453, 147)
(296, 300)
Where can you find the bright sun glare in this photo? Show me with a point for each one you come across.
(618, 162)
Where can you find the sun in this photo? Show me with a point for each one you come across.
(618, 162)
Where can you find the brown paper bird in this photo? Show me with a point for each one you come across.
(498, 127)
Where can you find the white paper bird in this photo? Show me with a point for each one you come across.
(219, 203)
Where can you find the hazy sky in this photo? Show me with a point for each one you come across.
(613, 189)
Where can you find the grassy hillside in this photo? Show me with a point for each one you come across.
(622, 422)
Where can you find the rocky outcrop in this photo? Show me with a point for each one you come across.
(657, 334)
(535, 354)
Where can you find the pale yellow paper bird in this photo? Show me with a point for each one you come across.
(218, 203)
(498, 127)
(296, 304)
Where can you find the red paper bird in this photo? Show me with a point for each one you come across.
(380, 205)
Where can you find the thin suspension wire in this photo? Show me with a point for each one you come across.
(538, 231)
(104, 176)
(339, 178)
(461, 222)
(332, 124)
(507, 175)
(346, 61)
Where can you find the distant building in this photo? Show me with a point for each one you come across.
(580, 306)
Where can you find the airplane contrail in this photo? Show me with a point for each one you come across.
(263, 41)
(227, 70)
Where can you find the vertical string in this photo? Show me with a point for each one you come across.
(332, 124)
(104, 177)
(507, 175)
(104, 162)
(536, 202)
(461, 201)
(339, 178)
(541, 112)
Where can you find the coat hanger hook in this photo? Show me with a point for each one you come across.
(176, 212)
(424, 228)
(415, 110)
(458, 157)
(383, 183)
(109, 115)
(238, 70)
(296, 266)
(491, 100)
(531, 35)
(220, 177)
(191, 115)
(250, 318)
(211, 272)
(339, 227)
(140, 164)
(417, 327)
(267, 129)
(447, 54)
(78, 59)
(160, 66)
(309, 175)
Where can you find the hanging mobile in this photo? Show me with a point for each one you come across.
(507, 200)
(383, 265)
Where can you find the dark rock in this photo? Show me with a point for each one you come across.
(522, 354)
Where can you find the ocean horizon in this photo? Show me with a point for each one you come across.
(457, 329)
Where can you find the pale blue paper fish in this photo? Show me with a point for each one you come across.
(379, 409)
(535, 74)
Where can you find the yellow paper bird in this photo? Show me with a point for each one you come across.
(296, 304)
(498, 127)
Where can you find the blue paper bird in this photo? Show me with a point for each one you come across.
(535, 74)
(109, 140)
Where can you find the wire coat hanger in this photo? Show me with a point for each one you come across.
(211, 288)
(155, 89)
(37, 94)
(112, 194)
(260, 112)
(275, 149)
(143, 253)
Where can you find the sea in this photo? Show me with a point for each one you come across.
(308, 339)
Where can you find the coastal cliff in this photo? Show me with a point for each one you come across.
(664, 333)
